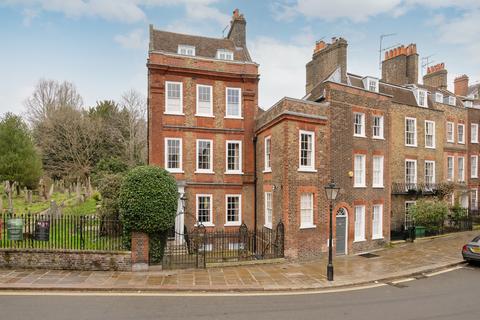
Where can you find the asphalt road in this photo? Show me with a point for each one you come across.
(452, 295)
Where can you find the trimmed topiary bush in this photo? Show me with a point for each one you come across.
(148, 203)
(148, 200)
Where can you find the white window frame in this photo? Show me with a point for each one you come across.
(433, 146)
(381, 127)
(423, 103)
(380, 170)
(468, 104)
(233, 116)
(415, 176)
(474, 132)
(359, 231)
(474, 166)
(438, 97)
(359, 178)
(240, 157)
(429, 184)
(224, 54)
(462, 136)
(311, 167)
(379, 234)
(372, 84)
(450, 171)
(198, 170)
(474, 204)
(362, 124)
(268, 206)
(206, 114)
(452, 101)
(169, 110)
(187, 50)
(450, 138)
(461, 174)
(180, 156)
(409, 202)
(414, 144)
(307, 224)
(210, 222)
(233, 223)
(267, 154)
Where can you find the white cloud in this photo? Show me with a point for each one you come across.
(127, 11)
(135, 39)
(282, 69)
(360, 11)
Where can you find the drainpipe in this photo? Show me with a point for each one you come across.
(255, 193)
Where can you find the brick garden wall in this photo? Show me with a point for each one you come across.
(65, 260)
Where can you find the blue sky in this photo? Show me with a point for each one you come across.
(101, 46)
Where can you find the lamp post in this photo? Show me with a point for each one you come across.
(331, 190)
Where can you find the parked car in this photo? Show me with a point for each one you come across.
(471, 251)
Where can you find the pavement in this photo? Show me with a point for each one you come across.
(400, 260)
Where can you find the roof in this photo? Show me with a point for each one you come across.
(204, 46)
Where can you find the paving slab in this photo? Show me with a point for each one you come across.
(401, 260)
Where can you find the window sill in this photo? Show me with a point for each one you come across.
(426, 147)
(377, 238)
(267, 226)
(411, 145)
(233, 172)
(359, 187)
(175, 171)
(232, 224)
(306, 170)
(267, 171)
(310, 226)
(205, 224)
(359, 136)
(474, 142)
(378, 138)
(204, 172)
(378, 187)
(233, 117)
(476, 177)
(204, 115)
(174, 114)
(359, 240)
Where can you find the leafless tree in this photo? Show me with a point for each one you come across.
(135, 139)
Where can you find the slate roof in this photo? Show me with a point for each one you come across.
(473, 89)
(204, 46)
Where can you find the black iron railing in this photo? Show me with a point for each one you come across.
(63, 232)
(200, 247)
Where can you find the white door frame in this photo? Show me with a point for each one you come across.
(180, 216)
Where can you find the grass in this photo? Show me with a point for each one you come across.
(38, 205)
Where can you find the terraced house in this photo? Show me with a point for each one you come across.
(385, 141)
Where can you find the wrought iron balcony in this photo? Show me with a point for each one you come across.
(414, 188)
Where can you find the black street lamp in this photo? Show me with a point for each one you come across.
(331, 190)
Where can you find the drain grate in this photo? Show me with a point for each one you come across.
(369, 255)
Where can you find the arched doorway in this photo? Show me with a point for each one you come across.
(341, 231)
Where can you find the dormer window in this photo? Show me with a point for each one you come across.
(468, 104)
(186, 50)
(421, 96)
(452, 100)
(371, 84)
(224, 54)
(438, 97)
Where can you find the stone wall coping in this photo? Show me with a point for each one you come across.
(39, 250)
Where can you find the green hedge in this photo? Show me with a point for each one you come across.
(148, 201)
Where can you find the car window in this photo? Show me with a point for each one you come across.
(476, 239)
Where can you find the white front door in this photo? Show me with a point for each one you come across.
(180, 217)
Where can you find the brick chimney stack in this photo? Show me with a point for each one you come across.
(238, 29)
(461, 85)
(327, 57)
(436, 76)
(401, 65)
